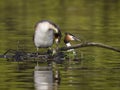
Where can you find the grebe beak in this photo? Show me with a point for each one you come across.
(76, 39)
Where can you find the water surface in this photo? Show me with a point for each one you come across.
(90, 20)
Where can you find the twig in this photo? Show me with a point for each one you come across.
(87, 44)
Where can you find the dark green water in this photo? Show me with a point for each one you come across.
(90, 20)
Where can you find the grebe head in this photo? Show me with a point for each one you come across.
(69, 37)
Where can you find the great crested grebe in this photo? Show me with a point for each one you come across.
(69, 37)
(46, 32)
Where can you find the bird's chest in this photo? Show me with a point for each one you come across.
(44, 39)
(45, 36)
